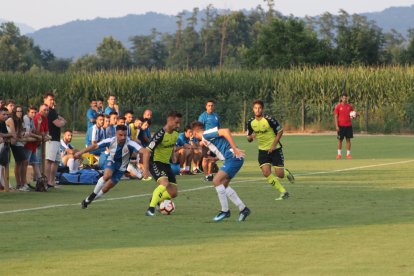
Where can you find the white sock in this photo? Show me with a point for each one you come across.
(221, 192)
(99, 194)
(339, 152)
(99, 185)
(73, 165)
(134, 171)
(234, 198)
(348, 152)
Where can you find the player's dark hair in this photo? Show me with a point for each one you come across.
(9, 101)
(197, 125)
(48, 94)
(121, 118)
(344, 94)
(100, 115)
(121, 127)
(3, 109)
(129, 112)
(92, 100)
(100, 99)
(210, 101)
(68, 130)
(113, 113)
(174, 114)
(32, 107)
(259, 102)
(187, 127)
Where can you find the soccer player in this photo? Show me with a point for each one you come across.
(112, 106)
(343, 125)
(268, 133)
(96, 133)
(91, 114)
(220, 141)
(161, 147)
(121, 148)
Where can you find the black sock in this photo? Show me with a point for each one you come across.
(91, 197)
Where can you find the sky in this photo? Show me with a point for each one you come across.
(45, 13)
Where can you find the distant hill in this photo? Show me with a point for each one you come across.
(80, 37)
(24, 28)
(398, 18)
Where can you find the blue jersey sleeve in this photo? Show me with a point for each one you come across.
(133, 146)
(105, 143)
(181, 140)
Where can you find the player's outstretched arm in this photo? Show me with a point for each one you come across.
(87, 149)
(225, 132)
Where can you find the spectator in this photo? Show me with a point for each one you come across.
(99, 105)
(9, 104)
(106, 124)
(15, 126)
(96, 134)
(91, 114)
(55, 123)
(120, 121)
(136, 129)
(30, 147)
(5, 137)
(187, 151)
(110, 131)
(129, 117)
(112, 106)
(145, 135)
(68, 151)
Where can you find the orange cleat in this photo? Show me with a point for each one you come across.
(348, 156)
(338, 156)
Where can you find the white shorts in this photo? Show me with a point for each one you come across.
(53, 151)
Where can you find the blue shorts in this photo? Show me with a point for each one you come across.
(31, 156)
(232, 166)
(116, 173)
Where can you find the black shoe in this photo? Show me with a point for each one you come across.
(84, 204)
(209, 177)
(244, 213)
(150, 212)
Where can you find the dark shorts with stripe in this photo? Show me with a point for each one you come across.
(345, 131)
(160, 169)
(275, 158)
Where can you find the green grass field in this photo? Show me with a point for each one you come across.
(344, 217)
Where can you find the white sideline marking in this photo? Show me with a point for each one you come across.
(199, 188)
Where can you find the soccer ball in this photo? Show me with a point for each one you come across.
(167, 207)
(352, 114)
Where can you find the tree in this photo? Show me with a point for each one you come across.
(148, 51)
(112, 54)
(285, 43)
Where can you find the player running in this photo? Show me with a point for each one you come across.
(120, 150)
(268, 133)
(220, 142)
(162, 145)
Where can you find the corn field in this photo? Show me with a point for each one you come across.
(299, 97)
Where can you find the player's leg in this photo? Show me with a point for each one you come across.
(278, 162)
(220, 182)
(196, 160)
(265, 162)
(340, 137)
(349, 136)
(98, 187)
(188, 158)
(159, 172)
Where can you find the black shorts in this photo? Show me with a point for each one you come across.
(160, 169)
(275, 158)
(345, 131)
(18, 153)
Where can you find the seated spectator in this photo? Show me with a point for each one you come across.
(120, 121)
(96, 134)
(106, 124)
(129, 117)
(187, 152)
(110, 131)
(67, 153)
(99, 105)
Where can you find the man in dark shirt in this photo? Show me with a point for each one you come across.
(55, 123)
(4, 149)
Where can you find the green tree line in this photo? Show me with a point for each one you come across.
(257, 38)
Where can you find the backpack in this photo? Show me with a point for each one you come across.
(82, 177)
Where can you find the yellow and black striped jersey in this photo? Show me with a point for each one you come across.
(266, 129)
(162, 145)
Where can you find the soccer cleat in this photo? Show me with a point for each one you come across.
(209, 177)
(84, 204)
(244, 213)
(283, 196)
(338, 156)
(290, 177)
(348, 156)
(222, 215)
(150, 212)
